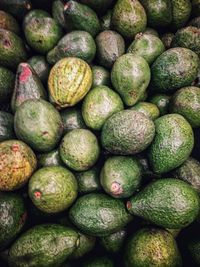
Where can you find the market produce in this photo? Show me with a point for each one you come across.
(99, 133)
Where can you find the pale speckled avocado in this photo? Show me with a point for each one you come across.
(165, 78)
(129, 18)
(101, 76)
(148, 109)
(110, 46)
(152, 247)
(8, 22)
(169, 203)
(99, 104)
(40, 66)
(130, 77)
(6, 126)
(162, 102)
(121, 133)
(173, 143)
(7, 83)
(113, 243)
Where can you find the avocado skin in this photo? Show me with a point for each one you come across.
(45, 245)
(8, 22)
(74, 44)
(6, 126)
(165, 78)
(195, 22)
(186, 102)
(193, 247)
(162, 102)
(121, 133)
(152, 247)
(12, 49)
(195, 7)
(113, 243)
(188, 37)
(58, 14)
(99, 262)
(106, 21)
(189, 172)
(181, 10)
(129, 18)
(12, 219)
(101, 76)
(99, 214)
(40, 66)
(148, 109)
(7, 83)
(167, 39)
(110, 46)
(161, 203)
(17, 8)
(173, 143)
(81, 17)
(72, 119)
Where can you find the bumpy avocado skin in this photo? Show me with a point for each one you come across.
(17, 8)
(181, 10)
(175, 68)
(152, 247)
(148, 109)
(161, 203)
(129, 18)
(173, 143)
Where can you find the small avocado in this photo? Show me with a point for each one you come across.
(167, 39)
(152, 31)
(17, 8)
(195, 22)
(152, 247)
(169, 203)
(101, 76)
(6, 126)
(106, 21)
(51, 158)
(113, 243)
(148, 109)
(162, 102)
(40, 66)
(8, 22)
(7, 83)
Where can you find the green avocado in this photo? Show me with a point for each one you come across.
(6, 126)
(121, 176)
(99, 214)
(186, 102)
(38, 124)
(113, 243)
(147, 46)
(98, 105)
(106, 21)
(51, 158)
(189, 172)
(100, 76)
(46, 245)
(79, 149)
(12, 219)
(121, 133)
(152, 247)
(151, 31)
(7, 83)
(195, 7)
(129, 18)
(162, 102)
(40, 66)
(8, 22)
(170, 203)
(99, 6)
(148, 109)
(58, 14)
(27, 86)
(74, 44)
(130, 77)
(173, 143)
(53, 189)
(188, 37)
(81, 17)
(167, 39)
(12, 49)
(181, 10)
(175, 68)
(17, 8)
(110, 46)
(99, 262)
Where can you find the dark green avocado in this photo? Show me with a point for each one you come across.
(162, 102)
(193, 247)
(40, 66)
(6, 126)
(17, 8)
(195, 7)
(181, 10)
(99, 262)
(100, 6)
(195, 22)
(7, 83)
(58, 14)
(167, 39)
(113, 243)
(8, 22)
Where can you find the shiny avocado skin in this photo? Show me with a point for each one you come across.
(6, 126)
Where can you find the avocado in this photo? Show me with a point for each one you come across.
(181, 10)
(38, 13)
(152, 31)
(121, 133)
(79, 149)
(100, 6)
(7, 83)
(40, 66)
(186, 102)
(130, 77)
(162, 102)
(17, 8)
(147, 46)
(101, 76)
(148, 109)
(113, 243)
(27, 86)
(121, 176)
(99, 262)
(129, 18)
(173, 143)
(39, 124)
(152, 247)
(110, 46)
(72, 119)
(106, 21)
(189, 172)
(42, 33)
(53, 189)
(8, 22)
(58, 14)
(88, 181)
(195, 22)
(46, 245)
(175, 68)
(12, 219)
(49, 159)
(98, 105)
(170, 203)
(74, 44)
(193, 247)
(18, 162)
(167, 39)
(188, 37)
(99, 214)
(81, 17)
(195, 7)
(12, 49)
(6, 126)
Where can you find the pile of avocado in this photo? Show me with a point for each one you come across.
(99, 133)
